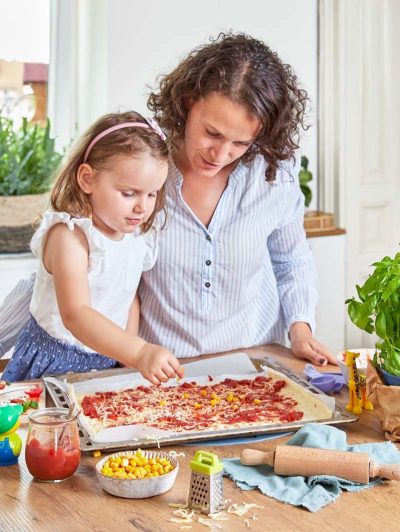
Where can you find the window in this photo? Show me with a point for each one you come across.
(24, 58)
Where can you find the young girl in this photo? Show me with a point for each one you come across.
(92, 248)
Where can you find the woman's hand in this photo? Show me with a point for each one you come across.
(157, 364)
(304, 345)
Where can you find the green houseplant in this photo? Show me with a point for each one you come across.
(377, 310)
(314, 221)
(305, 176)
(28, 160)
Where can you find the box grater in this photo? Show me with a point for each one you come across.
(206, 486)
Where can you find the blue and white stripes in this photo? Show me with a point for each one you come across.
(240, 282)
(14, 313)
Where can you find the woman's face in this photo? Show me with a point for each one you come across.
(218, 132)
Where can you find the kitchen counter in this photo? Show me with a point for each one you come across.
(79, 503)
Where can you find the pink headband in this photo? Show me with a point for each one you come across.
(151, 124)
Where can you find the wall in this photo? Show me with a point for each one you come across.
(105, 53)
(330, 260)
(147, 39)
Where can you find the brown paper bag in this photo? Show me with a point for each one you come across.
(386, 401)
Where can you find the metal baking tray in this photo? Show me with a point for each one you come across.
(61, 399)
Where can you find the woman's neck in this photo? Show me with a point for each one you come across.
(202, 193)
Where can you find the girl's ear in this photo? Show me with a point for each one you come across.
(85, 178)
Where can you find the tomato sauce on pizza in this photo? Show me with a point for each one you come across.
(191, 407)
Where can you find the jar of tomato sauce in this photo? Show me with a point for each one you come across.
(52, 451)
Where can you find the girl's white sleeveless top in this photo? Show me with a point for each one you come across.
(114, 273)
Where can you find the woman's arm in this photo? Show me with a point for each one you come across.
(295, 274)
(66, 258)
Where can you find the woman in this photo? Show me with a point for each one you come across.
(234, 268)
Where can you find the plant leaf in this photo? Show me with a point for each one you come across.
(380, 324)
(391, 287)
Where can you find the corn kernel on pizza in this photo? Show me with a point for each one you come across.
(188, 406)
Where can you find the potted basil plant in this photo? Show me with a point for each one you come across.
(377, 310)
(28, 160)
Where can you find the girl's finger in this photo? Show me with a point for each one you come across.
(169, 371)
(153, 379)
(178, 369)
(161, 375)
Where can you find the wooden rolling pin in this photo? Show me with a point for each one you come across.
(288, 460)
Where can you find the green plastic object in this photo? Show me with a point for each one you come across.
(205, 463)
(9, 416)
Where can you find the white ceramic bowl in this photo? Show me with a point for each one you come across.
(361, 361)
(138, 488)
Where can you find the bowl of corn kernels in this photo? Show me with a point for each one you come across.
(137, 474)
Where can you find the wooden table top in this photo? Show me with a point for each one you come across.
(79, 503)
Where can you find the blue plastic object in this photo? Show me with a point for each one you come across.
(326, 382)
(389, 378)
(10, 442)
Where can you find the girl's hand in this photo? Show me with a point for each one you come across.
(304, 345)
(157, 364)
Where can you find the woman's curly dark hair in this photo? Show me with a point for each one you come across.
(251, 74)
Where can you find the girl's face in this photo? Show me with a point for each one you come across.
(123, 196)
(218, 132)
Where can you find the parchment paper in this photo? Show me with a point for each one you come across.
(238, 365)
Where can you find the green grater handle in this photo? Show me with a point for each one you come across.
(205, 463)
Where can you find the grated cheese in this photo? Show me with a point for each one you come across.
(218, 517)
(177, 504)
(184, 512)
(174, 454)
(154, 437)
(241, 509)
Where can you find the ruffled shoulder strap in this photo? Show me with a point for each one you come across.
(51, 218)
(151, 243)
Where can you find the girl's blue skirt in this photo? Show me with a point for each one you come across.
(37, 353)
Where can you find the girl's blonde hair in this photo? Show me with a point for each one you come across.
(67, 196)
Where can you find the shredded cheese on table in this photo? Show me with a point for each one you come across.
(241, 509)
(186, 516)
(174, 454)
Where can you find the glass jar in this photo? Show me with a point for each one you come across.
(52, 450)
